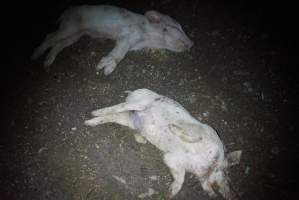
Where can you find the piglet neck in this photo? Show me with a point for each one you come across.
(151, 33)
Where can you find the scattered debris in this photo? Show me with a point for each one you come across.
(119, 179)
(199, 118)
(247, 170)
(223, 106)
(224, 122)
(205, 114)
(262, 96)
(42, 149)
(248, 86)
(149, 193)
(154, 178)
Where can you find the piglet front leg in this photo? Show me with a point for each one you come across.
(109, 62)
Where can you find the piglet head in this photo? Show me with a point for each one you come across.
(169, 32)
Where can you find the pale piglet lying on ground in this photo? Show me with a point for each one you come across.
(188, 145)
(131, 31)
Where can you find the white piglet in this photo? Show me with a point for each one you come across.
(188, 145)
(131, 31)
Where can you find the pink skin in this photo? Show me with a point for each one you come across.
(187, 144)
(131, 31)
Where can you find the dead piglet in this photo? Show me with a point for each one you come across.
(131, 31)
(188, 145)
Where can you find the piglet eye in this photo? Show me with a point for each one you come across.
(164, 29)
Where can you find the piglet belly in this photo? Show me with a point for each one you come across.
(155, 130)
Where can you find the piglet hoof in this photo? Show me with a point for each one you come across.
(108, 64)
(91, 122)
(49, 60)
(34, 56)
(37, 52)
(173, 190)
(139, 139)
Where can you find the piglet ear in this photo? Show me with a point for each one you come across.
(185, 132)
(233, 158)
(153, 16)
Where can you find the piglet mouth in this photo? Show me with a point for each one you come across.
(184, 45)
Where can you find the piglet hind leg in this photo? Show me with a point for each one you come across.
(52, 39)
(207, 187)
(47, 43)
(122, 118)
(122, 107)
(177, 171)
(59, 47)
(220, 184)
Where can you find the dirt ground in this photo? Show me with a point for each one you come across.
(237, 78)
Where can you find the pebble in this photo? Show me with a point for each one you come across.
(247, 170)
(205, 114)
(149, 193)
(248, 86)
(154, 178)
(119, 179)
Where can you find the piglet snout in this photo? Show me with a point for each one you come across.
(184, 45)
(189, 43)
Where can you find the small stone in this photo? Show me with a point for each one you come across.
(199, 118)
(248, 86)
(154, 178)
(205, 114)
(119, 179)
(247, 170)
